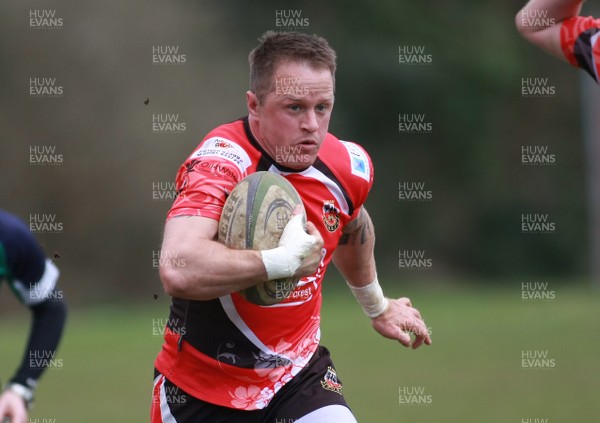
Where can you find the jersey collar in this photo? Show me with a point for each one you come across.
(265, 156)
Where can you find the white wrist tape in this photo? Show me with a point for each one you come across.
(370, 298)
(294, 245)
(277, 263)
(23, 391)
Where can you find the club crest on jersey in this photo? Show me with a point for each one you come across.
(331, 382)
(331, 215)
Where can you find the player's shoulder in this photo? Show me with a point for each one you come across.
(23, 254)
(579, 28)
(228, 135)
(347, 159)
(581, 23)
(580, 43)
(12, 227)
(226, 143)
(234, 130)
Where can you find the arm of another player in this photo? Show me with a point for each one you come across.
(195, 266)
(46, 330)
(539, 22)
(392, 318)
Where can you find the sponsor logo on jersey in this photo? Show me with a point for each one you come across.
(223, 144)
(331, 215)
(359, 162)
(218, 147)
(331, 382)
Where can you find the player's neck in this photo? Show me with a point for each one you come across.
(254, 127)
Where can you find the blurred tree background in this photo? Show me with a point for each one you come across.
(103, 192)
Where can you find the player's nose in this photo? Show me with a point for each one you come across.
(310, 122)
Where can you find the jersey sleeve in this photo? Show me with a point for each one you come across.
(32, 277)
(34, 293)
(362, 174)
(206, 178)
(579, 39)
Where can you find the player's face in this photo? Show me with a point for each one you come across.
(292, 120)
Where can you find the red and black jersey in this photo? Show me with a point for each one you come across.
(231, 352)
(579, 39)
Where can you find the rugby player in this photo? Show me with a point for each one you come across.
(555, 26)
(225, 359)
(32, 278)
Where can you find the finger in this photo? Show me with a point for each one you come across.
(312, 230)
(421, 336)
(418, 342)
(416, 313)
(291, 230)
(421, 330)
(297, 210)
(296, 220)
(403, 338)
(417, 327)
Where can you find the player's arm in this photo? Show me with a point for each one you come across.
(33, 280)
(539, 22)
(48, 320)
(195, 266)
(354, 257)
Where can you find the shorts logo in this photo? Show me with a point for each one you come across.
(331, 382)
(331, 215)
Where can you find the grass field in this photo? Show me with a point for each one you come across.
(472, 373)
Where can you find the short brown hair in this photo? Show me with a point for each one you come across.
(275, 47)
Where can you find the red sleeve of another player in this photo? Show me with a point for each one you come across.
(207, 177)
(579, 42)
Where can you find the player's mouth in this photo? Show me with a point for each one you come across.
(308, 144)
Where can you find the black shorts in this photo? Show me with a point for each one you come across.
(314, 387)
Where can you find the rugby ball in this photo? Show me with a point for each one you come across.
(253, 217)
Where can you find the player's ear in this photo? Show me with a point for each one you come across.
(252, 103)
